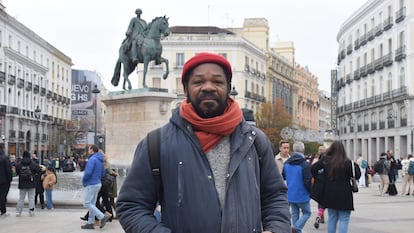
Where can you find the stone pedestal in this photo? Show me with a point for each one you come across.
(129, 117)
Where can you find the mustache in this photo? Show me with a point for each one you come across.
(208, 95)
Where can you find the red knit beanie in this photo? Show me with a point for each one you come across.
(205, 57)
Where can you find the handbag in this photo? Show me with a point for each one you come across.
(354, 184)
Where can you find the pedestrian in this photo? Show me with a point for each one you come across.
(49, 182)
(39, 186)
(363, 165)
(296, 171)
(321, 209)
(283, 155)
(337, 198)
(217, 172)
(407, 178)
(383, 174)
(6, 177)
(91, 180)
(26, 169)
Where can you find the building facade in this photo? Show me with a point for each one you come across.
(249, 62)
(374, 85)
(35, 93)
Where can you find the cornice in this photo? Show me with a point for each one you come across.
(33, 37)
(13, 55)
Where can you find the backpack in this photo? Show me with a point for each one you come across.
(364, 164)
(153, 140)
(410, 169)
(379, 166)
(26, 174)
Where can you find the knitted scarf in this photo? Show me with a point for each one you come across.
(210, 131)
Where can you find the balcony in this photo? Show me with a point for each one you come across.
(382, 125)
(370, 35)
(356, 74)
(378, 64)
(20, 83)
(391, 123)
(13, 110)
(342, 54)
(49, 94)
(400, 15)
(349, 49)
(363, 71)
(36, 89)
(363, 39)
(11, 79)
(28, 86)
(373, 126)
(378, 29)
(356, 44)
(400, 53)
(370, 68)
(349, 78)
(3, 109)
(387, 59)
(2, 77)
(254, 96)
(42, 91)
(388, 23)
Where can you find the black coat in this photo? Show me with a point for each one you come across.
(25, 184)
(5, 170)
(337, 193)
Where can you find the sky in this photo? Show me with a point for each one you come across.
(91, 31)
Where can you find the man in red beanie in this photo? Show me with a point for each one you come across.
(218, 173)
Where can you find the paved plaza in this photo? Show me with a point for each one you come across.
(373, 214)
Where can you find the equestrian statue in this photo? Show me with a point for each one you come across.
(141, 45)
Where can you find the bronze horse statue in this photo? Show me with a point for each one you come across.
(149, 49)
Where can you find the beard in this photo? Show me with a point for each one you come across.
(215, 106)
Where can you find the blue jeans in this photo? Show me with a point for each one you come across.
(341, 216)
(90, 196)
(49, 202)
(299, 222)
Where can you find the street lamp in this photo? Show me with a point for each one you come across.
(233, 92)
(37, 115)
(95, 91)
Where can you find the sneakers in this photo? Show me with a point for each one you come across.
(18, 214)
(317, 221)
(31, 213)
(3, 215)
(322, 219)
(103, 221)
(88, 226)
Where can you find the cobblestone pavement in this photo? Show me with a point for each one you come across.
(373, 213)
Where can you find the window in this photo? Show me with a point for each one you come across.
(156, 82)
(402, 77)
(179, 60)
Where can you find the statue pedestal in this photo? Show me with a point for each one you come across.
(129, 117)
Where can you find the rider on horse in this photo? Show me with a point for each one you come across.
(134, 35)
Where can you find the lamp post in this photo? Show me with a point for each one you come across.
(37, 115)
(233, 92)
(95, 91)
(412, 145)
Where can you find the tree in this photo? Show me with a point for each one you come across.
(271, 119)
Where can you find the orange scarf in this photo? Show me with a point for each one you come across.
(210, 131)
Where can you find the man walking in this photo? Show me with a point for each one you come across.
(298, 177)
(91, 180)
(5, 180)
(283, 155)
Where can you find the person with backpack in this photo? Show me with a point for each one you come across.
(382, 167)
(26, 169)
(407, 178)
(6, 177)
(217, 172)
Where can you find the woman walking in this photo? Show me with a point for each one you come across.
(337, 194)
(49, 181)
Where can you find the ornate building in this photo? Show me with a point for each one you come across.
(35, 93)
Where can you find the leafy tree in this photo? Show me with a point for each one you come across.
(271, 119)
